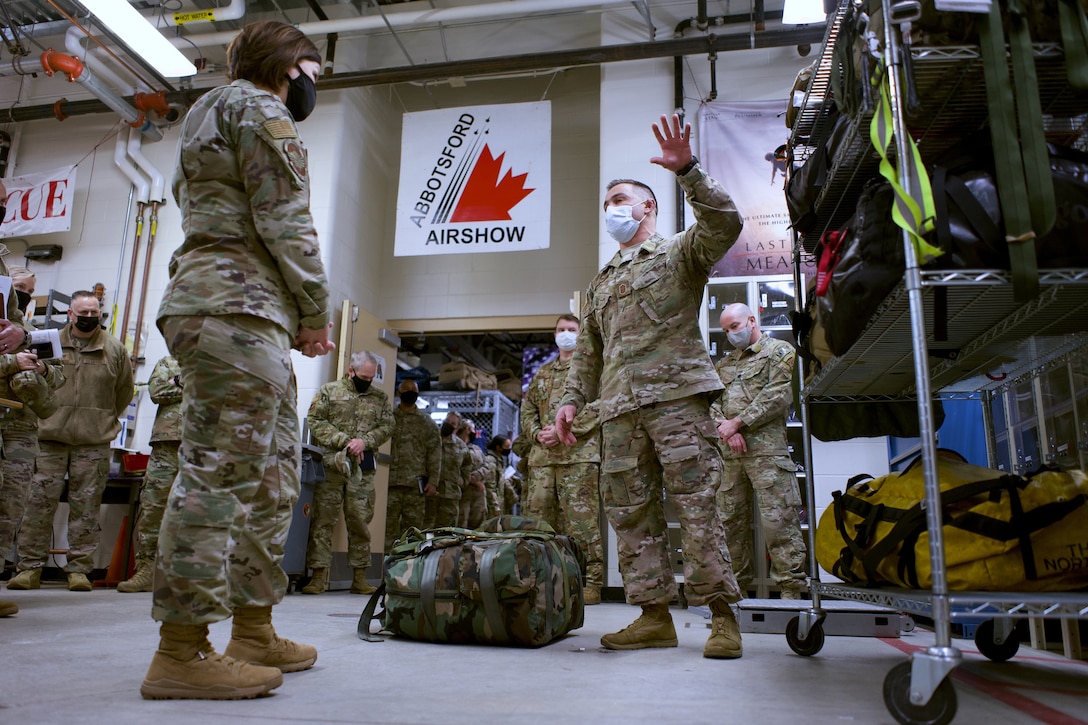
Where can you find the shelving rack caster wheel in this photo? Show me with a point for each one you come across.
(986, 635)
(808, 646)
(940, 709)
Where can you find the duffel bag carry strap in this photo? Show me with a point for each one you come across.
(490, 594)
(1074, 24)
(363, 629)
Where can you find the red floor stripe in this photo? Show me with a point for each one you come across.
(1003, 692)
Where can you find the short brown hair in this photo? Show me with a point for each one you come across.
(263, 53)
(567, 317)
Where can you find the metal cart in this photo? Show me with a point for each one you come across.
(986, 324)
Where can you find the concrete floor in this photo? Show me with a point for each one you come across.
(80, 657)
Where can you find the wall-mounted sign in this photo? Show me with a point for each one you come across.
(39, 203)
(475, 179)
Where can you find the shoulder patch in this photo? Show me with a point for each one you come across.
(296, 157)
(280, 128)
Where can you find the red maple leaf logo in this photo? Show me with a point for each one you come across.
(485, 198)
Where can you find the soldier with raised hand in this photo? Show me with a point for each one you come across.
(165, 389)
(641, 353)
(416, 466)
(246, 286)
(751, 418)
(350, 419)
(563, 481)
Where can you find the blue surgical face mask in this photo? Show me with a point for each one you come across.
(621, 225)
(566, 340)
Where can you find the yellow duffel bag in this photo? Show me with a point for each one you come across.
(1001, 532)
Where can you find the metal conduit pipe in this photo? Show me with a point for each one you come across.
(158, 186)
(507, 64)
(416, 18)
(73, 43)
(235, 10)
(73, 69)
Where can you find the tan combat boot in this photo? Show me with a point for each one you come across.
(653, 628)
(591, 595)
(26, 579)
(359, 584)
(254, 640)
(8, 608)
(78, 582)
(186, 667)
(724, 642)
(141, 580)
(319, 582)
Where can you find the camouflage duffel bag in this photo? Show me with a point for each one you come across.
(514, 582)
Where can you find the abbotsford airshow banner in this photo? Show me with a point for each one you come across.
(742, 145)
(475, 179)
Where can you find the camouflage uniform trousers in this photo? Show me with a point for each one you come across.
(567, 496)
(405, 510)
(473, 508)
(228, 514)
(671, 445)
(771, 482)
(20, 452)
(357, 498)
(441, 512)
(162, 469)
(87, 467)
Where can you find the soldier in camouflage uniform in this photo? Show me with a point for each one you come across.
(350, 419)
(75, 442)
(494, 481)
(641, 352)
(474, 496)
(443, 507)
(563, 483)
(164, 387)
(416, 467)
(30, 381)
(13, 338)
(246, 286)
(751, 417)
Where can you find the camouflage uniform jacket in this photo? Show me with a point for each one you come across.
(241, 184)
(98, 391)
(25, 419)
(538, 409)
(479, 462)
(640, 341)
(456, 467)
(758, 389)
(339, 413)
(166, 394)
(416, 449)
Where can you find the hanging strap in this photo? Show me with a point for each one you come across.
(1023, 180)
(363, 628)
(490, 593)
(1074, 22)
(914, 209)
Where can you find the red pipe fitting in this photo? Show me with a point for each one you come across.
(53, 61)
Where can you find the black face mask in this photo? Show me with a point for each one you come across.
(24, 299)
(87, 323)
(447, 430)
(301, 96)
(361, 386)
(409, 398)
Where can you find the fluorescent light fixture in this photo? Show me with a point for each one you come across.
(803, 12)
(141, 37)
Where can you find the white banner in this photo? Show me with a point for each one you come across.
(475, 179)
(742, 145)
(39, 203)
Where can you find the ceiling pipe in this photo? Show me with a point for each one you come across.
(73, 42)
(74, 70)
(483, 67)
(121, 161)
(417, 18)
(235, 10)
(158, 179)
